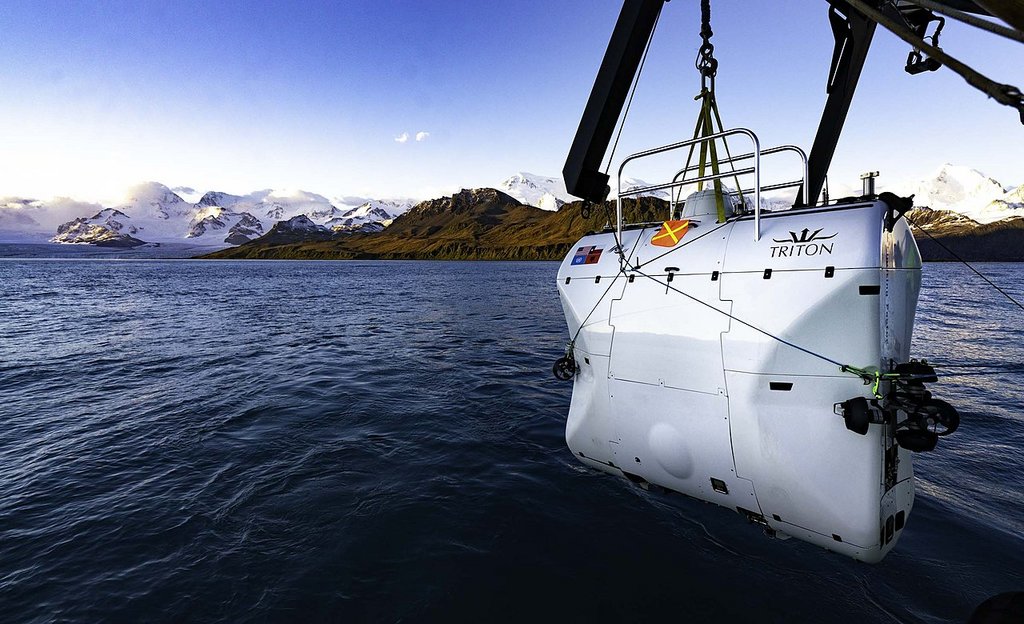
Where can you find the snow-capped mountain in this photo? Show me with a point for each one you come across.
(300, 223)
(151, 213)
(153, 200)
(154, 213)
(544, 192)
(233, 227)
(770, 203)
(630, 184)
(269, 206)
(548, 193)
(299, 228)
(374, 211)
(967, 192)
(108, 226)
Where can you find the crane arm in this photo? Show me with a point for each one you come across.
(582, 171)
(853, 33)
(852, 30)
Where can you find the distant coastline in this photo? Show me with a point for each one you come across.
(58, 251)
(170, 251)
(486, 224)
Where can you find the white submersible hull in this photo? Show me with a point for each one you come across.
(707, 365)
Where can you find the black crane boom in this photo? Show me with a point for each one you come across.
(582, 171)
(853, 32)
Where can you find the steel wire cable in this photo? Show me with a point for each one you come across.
(972, 20)
(965, 263)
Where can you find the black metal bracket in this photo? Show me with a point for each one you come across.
(898, 206)
(919, 19)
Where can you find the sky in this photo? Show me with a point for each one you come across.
(393, 98)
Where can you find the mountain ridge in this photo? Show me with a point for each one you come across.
(954, 201)
(488, 224)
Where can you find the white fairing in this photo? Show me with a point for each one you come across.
(678, 388)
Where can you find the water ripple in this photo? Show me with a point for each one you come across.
(363, 441)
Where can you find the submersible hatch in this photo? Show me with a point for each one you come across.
(752, 359)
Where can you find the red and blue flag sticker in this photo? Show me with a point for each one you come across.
(587, 255)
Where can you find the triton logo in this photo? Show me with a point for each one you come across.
(806, 243)
(805, 237)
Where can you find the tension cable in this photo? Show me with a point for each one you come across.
(565, 368)
(870, 375)
(707, 66)
(965, 263)
(1002, 93)
(585, 210)
(973, 20)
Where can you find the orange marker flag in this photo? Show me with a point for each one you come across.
(671, 233)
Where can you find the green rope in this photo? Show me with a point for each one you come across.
(872, 376)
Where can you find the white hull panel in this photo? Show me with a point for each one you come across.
(679, 386)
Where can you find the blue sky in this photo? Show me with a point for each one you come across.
(238, 96)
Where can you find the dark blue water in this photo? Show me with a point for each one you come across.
(359, 441)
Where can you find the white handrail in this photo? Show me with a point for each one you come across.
(756, 170)
(802, 182)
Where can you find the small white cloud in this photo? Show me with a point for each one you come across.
(402, 138)
(422, 135)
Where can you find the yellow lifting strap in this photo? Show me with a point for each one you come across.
(705, 128)
(709, 117)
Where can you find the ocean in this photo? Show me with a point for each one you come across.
(266, 441)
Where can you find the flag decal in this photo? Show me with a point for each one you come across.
(587, 255)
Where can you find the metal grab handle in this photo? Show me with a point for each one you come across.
(802, 182)
(756, 170)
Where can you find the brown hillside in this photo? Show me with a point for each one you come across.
(478, 224)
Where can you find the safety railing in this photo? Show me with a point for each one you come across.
(679, 181)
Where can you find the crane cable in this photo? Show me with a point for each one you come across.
(585, 209)
(1003, 93)
(973, 20)
(707, 65)
(965, 263)
(565, 367)
(632, 92)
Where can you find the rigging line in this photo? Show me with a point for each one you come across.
(572, 342)
(686, 167)
(618, 135)
(603, 295)
(973, 20)
(844, 367)
(732, 164)
(692, 240)
(632, 92)
(965, 263)
(1002, 93)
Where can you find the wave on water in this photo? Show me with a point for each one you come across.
(383, 441)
